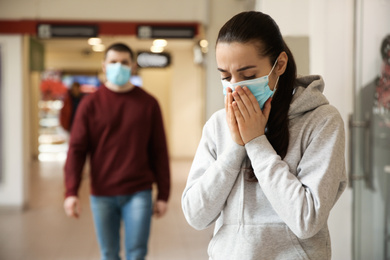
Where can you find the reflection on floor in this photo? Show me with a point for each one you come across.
(43, 232)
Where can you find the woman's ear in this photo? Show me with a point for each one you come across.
(282, 64)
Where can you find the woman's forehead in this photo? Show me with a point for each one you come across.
(238, 54)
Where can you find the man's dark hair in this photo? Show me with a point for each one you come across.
(120, 47)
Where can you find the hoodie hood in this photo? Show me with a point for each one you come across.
(307, 95)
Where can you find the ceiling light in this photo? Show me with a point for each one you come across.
(204, 43)
(98, 47)
(156, 49)
(160, 43)
(94, 41)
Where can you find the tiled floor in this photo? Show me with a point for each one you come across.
(43, 232)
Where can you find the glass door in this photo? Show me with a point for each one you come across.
(369, 127)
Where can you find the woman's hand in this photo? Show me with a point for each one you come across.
(231, 118)
(250, 119)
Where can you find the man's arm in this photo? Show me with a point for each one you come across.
(77, 152)
(158, 153)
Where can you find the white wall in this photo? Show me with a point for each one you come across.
(187, 104)
(157, 82)
(292, 17)
(12, 192)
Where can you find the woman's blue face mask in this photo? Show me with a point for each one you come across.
(259, 87)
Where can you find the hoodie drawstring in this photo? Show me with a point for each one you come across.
(241, 203)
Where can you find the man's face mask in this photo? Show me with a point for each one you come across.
(259, 87)
(118, 74)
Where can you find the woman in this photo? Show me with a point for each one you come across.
(270, 166)
(71, 102)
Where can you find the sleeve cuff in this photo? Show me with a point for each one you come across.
(259, 146)
(233, 156)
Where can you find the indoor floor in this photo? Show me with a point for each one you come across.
(43, 232)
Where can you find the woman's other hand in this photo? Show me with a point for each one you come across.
(251, 120)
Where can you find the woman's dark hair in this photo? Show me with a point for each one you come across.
(261, 30)
(120, 47)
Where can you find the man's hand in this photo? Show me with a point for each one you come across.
(72, 207)
(160, 208)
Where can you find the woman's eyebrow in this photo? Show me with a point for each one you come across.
(245, 68)
(240, 69)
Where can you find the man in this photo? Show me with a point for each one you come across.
(375, 107)
(120, 127)
(375, 104)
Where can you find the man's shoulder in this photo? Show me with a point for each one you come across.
(145, 95)
(143, 92)
(89, 99)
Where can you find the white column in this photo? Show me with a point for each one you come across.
(12, 107)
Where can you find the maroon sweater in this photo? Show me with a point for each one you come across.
(124, 136)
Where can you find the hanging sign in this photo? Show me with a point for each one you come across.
(46, 31)
(156, 32)
(153, 60)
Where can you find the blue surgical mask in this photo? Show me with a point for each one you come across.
(259, 87)
(118, 74)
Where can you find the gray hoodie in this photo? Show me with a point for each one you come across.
(283, 215)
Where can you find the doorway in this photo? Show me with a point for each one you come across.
(370, 132)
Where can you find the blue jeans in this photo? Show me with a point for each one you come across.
(135, 210)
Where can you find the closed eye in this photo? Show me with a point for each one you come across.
(250, 77)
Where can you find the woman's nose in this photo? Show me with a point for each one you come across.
(234, 80)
